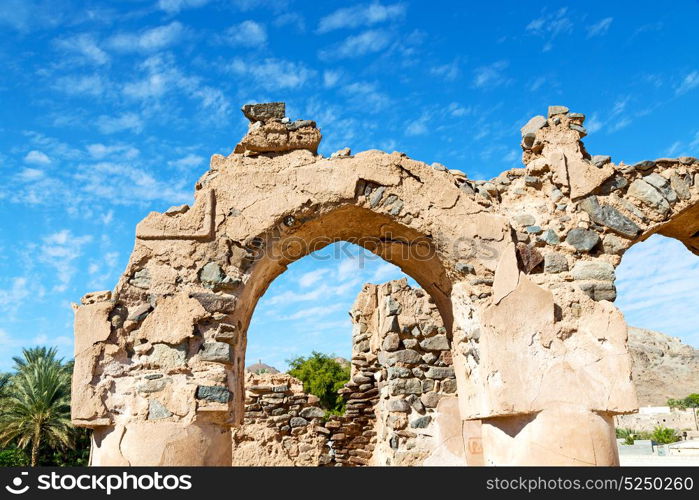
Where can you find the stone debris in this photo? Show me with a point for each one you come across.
(583, 240)
(264, 112)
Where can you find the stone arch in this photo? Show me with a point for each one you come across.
(536, 342)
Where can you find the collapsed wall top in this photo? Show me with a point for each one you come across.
(270, 131)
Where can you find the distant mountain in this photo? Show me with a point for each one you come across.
(662, 366)
(259, 368)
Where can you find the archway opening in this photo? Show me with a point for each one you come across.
(396, 340)
(657, 292)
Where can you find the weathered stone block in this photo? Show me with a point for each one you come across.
(219, 352)
(213, 393)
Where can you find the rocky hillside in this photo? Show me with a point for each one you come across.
(663, 367)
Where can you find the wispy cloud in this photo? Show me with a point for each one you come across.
(125, 184)
(94, 85)
(11, 298)
(174, 6)
(149, 40)
(418, 126)
(187, 162)
(368, 93)
(655, 281)
(448, 72)
(362, 15)
(99, 151)
(689, 82)
(549, 26)
(246, 34)
(293, 19)
(615, 119)
(331, 78)
(312, 277)
(85, 46)
(60, 250)
(161, 77)
(35, 157)
(273, 74)
(599, 28)
(367, 42)
(491, 76)
(124, 121)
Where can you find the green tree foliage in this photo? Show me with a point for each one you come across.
(322, 376)
(691, 401)
(35, 406)
(13, 457)
(626, 434)
(664, 435)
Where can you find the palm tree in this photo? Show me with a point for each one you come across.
(36, 406)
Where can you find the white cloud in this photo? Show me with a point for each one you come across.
(537, 83)
(490, 76)
(368, 93)
(174, 6)
(657, 287)
(30, 174)
(315, 313)
(103, 272)
(120, 123)
(361, 15)
(107, 218)
(85, 46)
(448, 72)
(600, 28)
(149, 40)
(457, 110)
(246, 34)
(125, 184)
(27, 15)
(59, 250)
(349, 268)
(273, 74)
(551, 25)
(694, 143)
(615, 119)
(12, 298)
(312, 277)
(418, 127)
(291, 19)
(81, 85)
(162, 77)
(99, 151)
(386, 271)
(331, 78)
(367, 42)
(594, 123)
(187, 162)
(35, 157)
(690, 82)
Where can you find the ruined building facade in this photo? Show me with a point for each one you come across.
(520, 269)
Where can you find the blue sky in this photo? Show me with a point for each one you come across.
(109, 110)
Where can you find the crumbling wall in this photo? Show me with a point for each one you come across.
(521, 268)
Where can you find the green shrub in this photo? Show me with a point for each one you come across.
(664, 435)
(13, 457)
(322, 376)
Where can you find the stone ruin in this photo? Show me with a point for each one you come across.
(520, 268)
(401, 397)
